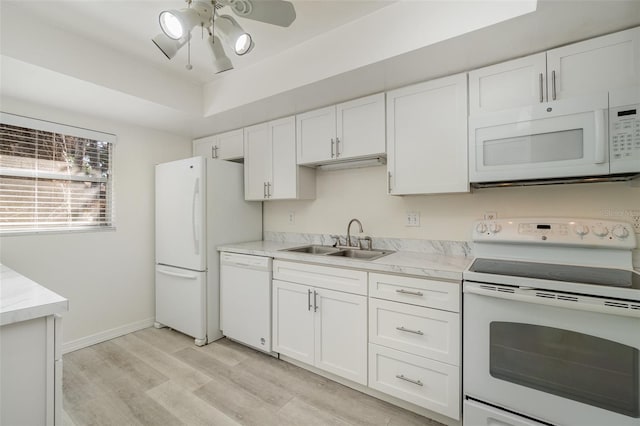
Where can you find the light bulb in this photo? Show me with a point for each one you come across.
(171, 25)
(243, 44)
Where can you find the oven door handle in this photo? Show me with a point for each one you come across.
(555, 299)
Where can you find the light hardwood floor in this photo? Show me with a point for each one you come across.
(159, 377)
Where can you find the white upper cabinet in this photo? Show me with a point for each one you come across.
(225, 146)
(427, 137)
(348, 130)
(596, 65)
(270, 169)
(592, 66)
(511, 84)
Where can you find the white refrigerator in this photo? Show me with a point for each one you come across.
(199, 206)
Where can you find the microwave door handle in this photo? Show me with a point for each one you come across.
(600, 134)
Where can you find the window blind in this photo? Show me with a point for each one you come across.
(53, 177)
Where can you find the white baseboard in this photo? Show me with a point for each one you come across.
(103, 336)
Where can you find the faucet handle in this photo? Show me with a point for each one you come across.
(368, 240)
(336, 240)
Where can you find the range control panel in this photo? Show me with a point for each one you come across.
(557, 231)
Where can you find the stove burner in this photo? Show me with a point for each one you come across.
(565, 273)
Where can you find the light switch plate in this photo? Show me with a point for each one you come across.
(291, 218)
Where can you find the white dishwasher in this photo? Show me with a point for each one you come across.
(245, 299)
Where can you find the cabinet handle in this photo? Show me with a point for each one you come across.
(332, 154)
(389, 182)
(541, 89)
(337, 147)
(269, 189)
(413, 293)
(315, 301)
(309, 300)
(264, 189)
(213, 151)
(408, 330)
(406, 379)
(553, 84)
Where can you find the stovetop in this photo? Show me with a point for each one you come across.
(553, 272)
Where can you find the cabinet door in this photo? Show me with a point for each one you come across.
(293, 320)
(341, 334)
(596, 65)
(257, 161)
(206, 146)
(361, 127)
(316, 131)
(512, 84)
(427, 137)
(284, 180)
(231, 145)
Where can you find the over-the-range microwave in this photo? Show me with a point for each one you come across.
(584, 139)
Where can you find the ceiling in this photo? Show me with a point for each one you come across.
(129, 26)
(101, 51)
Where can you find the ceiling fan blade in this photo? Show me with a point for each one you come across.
(275, 12)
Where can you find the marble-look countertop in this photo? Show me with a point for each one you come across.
(22, 299)
(401, 262)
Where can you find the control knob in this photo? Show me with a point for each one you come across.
(600, 230)
(481, 228)
(494, 228)
(581, 229)
(619, 231)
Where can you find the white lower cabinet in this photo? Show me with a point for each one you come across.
(415, 341)
(321, 327)
(427, 383)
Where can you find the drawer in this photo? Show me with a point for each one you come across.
(417, 291)
(427, 383)
(421, 331)
(477, 414)
(346, 280)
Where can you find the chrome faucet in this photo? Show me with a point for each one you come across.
(349, 231)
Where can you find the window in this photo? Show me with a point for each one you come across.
(53, 177)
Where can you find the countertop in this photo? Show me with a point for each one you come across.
(22, 299)
(401, 262)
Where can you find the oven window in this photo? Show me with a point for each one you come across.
(577, 366)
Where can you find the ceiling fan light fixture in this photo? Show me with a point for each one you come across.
(176, 24)
(221, 61)
(234, 35)
(169, 46)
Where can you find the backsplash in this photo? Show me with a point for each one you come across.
(448, 248)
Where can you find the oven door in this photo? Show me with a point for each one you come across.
(554, 140)
(558, 361)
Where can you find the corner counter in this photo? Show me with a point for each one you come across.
(30, 349)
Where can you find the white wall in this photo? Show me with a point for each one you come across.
(107, 276)
(361, 193)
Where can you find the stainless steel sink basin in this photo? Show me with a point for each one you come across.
(361, 254)
(354, 253)
(314, 249)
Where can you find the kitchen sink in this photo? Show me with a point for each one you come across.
(361, 254)
(342, 252)
(314, 249)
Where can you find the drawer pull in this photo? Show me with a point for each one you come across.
(406, 379)
(409, 330)
(413, 293)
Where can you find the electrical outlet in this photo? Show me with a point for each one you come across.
(635, 221)
(291, 218)
(490, 215)
(412, 219)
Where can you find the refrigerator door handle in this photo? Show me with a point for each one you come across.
(178, 275)
(196, 192)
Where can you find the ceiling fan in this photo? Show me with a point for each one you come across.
(176, 26)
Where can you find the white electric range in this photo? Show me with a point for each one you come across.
(552, 324)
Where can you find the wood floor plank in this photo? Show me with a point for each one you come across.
(301, 413)
(165, 339)
(176, 370)
(257, 385)
(190, 409)
(227, 354)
